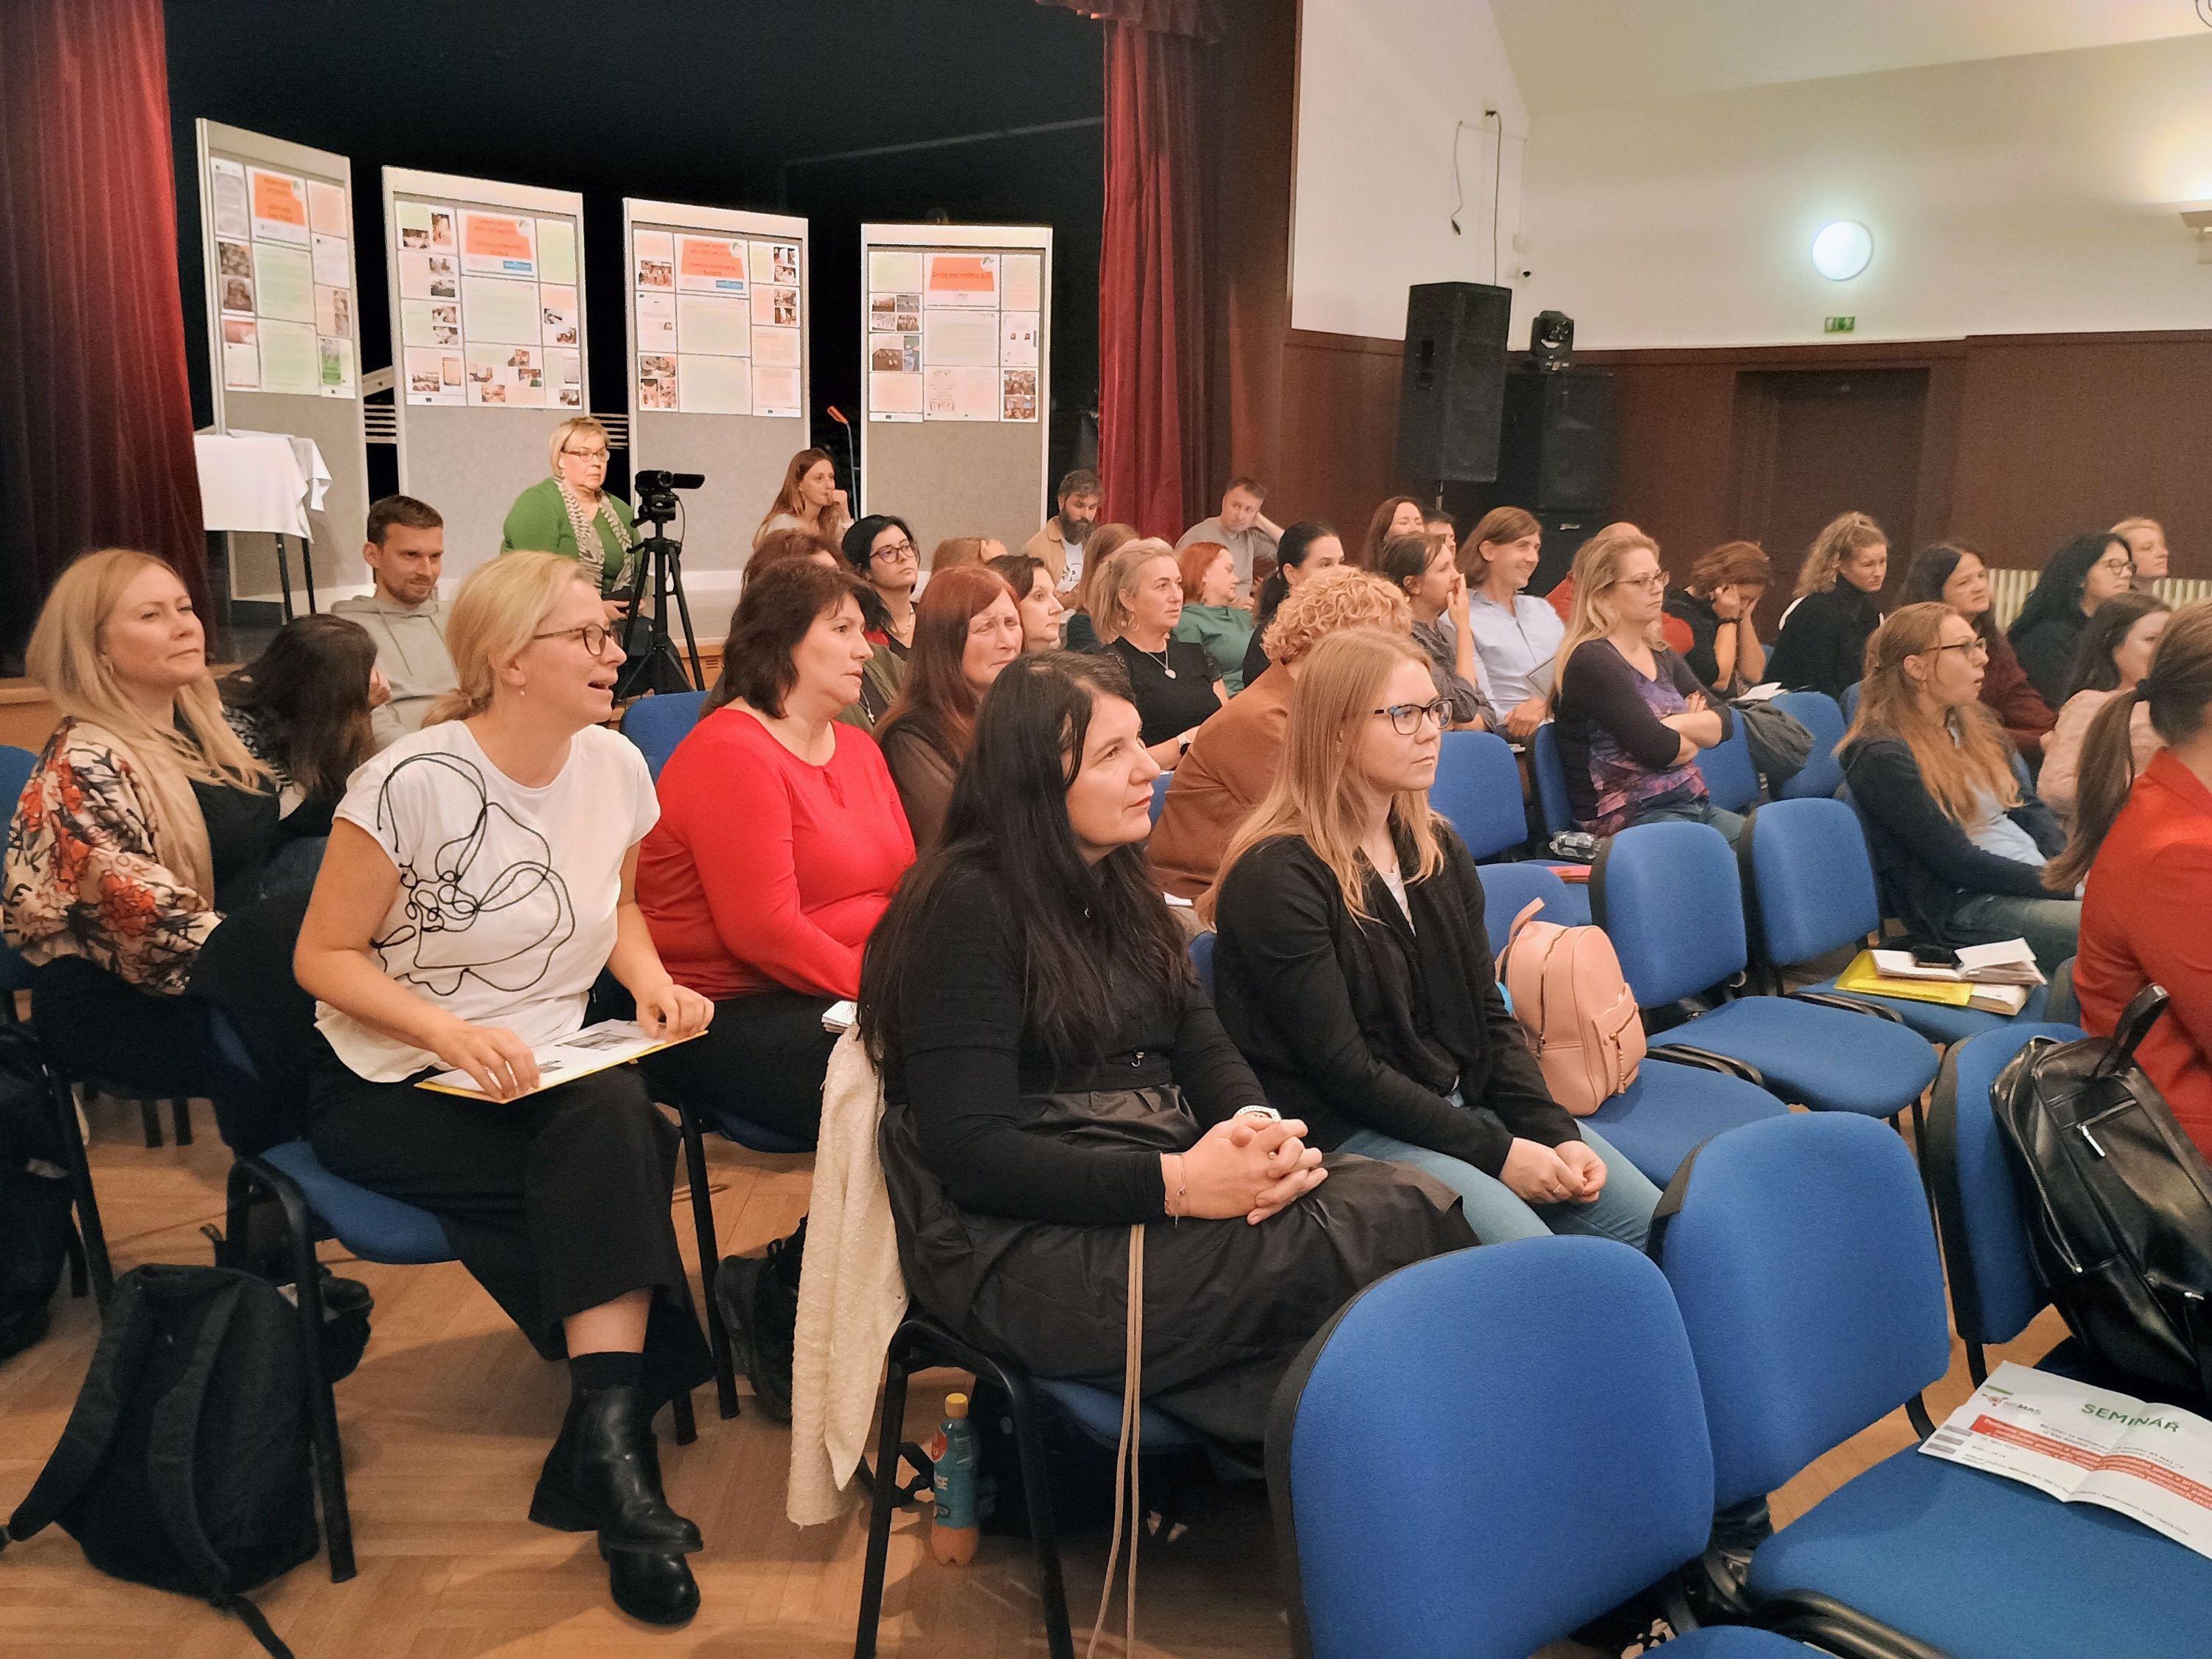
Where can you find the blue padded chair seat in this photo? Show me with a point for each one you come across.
(1823, 1058)
(1672, 1109)
(1985, 1568)
(1097, 1412)
(753, 1137)
(1737, 1642)
(373, 1227)
(1941, 1023)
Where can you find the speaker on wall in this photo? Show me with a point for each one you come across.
(1555, 444)
(1452, 390)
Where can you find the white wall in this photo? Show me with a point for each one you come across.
(2017, 195)
(1382, 85)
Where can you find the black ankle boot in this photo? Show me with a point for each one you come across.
(603, 1475)
(653, 1588)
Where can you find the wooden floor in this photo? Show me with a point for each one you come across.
(446, 1422)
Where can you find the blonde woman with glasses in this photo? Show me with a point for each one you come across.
(572, 513)
(1352, 969)
(1632, 716)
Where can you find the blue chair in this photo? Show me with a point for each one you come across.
(1202, 960)
(1507, 889)
(1731, 778)
(1669, 896)
(2060, 1002)
(1160, 786)
(657, 723)
(1418, 1514)
(1851, 703)
(1554, 805)
(1478, 788)
(1813, 887)
(1805, 1268)
(1822, 773)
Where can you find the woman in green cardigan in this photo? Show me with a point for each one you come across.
(572, 514)
(1211, 616)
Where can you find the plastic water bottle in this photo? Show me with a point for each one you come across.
(953, 1532)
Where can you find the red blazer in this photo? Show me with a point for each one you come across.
(2143, 918)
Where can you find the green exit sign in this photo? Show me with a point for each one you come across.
(1839, 324)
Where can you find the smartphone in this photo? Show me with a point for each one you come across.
(1935, 956)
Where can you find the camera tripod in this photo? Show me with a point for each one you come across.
(653, 664)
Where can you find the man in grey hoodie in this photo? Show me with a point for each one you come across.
(406, 549)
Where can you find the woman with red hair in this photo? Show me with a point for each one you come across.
(1211, 616)
(966, 629)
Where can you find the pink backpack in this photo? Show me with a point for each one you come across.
(1569, 996)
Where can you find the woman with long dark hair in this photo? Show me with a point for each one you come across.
(2084, 572)
(1308, 548)
(302, 709)
(1035, 597)
(808, 498)
(1054, 1078)
(1956, 573)
(2117, 650)
(966, 630)
(1401, 515)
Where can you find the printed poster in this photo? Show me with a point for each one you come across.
(499, 244)
(241, 355)
(961, 281)
(326, 211)
(282, 280)
(490, 313)
(717, 322)
(279, 202)
(227, 191)
(435, 376)
(709, 264)
(954, 335)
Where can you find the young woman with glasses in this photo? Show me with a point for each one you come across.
(1632, 716)
(2081, 575)
(573, 514)
(1352, 969)
(1958, 839)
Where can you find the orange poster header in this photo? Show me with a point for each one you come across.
(494, 237)
(959, 273)
(276, 197)
(699, 256)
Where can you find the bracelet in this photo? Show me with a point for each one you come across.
(1267, 1112)
(1175, 1205)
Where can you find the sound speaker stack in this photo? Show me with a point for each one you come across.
(1450, 393)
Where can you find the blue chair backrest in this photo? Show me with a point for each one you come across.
(1994, 1283)
(1669, 897)
(1201, 959)
(1851, 703)
(1554, 805)
(1822, 773)
(1427, 1512)
(1507, 889)
(657, 724)
(16, 766)
(1805, 1270)
(1811, 878)
(1731, 778)
(2061, 1003)
(1478, 787)
(1160, 794)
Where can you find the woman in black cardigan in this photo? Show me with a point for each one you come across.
(2080, 575)
(1054, 1078)
(1354, 973)
(1822, 645)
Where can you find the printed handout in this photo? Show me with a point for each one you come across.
(506, 376)
(1017, 339)
(894, 397)
(1018, 394)
(227, 182)
(564, 378)
(714, 386)
(775, 391)
(962, 281)
(280, 206)
(283, 284)
(332, 267)
(656, 381)
(960, 394)
(777, 347)
(556, 251)
(1023, 274)
(334, 361)
(333, 312)
(557, 312)
(427, 277)
(892, 269)
(654, 251)
(495, 311)
(499, 244)
(289, 359)
(714, 324)
(893, 354)
(785, 258)
(710, 265)
(429, 323)
(238, 294)
(233, 259)
(960, 339)
(413, 219)
(434, 377)
(241, 355)
(656, 321)
(441, 231)
(326, 211)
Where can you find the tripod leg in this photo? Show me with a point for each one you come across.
(690, 638)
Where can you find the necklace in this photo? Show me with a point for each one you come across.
(1161, 653)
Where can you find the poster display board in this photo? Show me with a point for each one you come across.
(487, 343)
(718, 313)
(283, 330)
(957, 320)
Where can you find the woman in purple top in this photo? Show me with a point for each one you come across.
(1632, 716)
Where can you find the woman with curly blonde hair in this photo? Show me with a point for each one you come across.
(1824, 634)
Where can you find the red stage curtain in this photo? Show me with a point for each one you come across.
(95, 410)
(1152, 262)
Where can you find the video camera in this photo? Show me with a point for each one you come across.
(656, 491)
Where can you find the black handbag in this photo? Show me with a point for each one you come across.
(2117, 1204)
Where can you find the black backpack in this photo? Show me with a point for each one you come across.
(185, 1463)
(37, 1235)
(2117, 1204)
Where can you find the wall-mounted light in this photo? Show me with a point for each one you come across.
(1842, 249)
(2200, 221)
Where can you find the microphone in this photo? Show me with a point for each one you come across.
(852, 461)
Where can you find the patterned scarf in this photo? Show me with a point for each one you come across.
(590, 552)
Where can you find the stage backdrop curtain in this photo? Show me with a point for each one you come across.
(1152, 262)
(95, 410)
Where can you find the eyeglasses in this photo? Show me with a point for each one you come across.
(2116, 566)
(593, 635)
(1406, 718)
(1974, 649)
(894, 550)
(584, 454)
(1654, 583)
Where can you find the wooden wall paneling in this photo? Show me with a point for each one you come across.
(1673, 429)
(1339, 427)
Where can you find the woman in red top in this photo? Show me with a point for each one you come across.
(2148, 852)
(780, 841)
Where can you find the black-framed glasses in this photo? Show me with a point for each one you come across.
(899, 549)
(1970, 646)
(594, 636)
(1406, 718)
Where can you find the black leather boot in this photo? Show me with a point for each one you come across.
(656, 1590)
(603, 1475)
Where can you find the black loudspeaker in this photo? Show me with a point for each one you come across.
(1450, 393)
(1564, 536)
(1555, 447)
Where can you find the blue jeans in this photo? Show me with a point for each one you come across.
(1622, 1211)
(2050, 925)
(1729, 824)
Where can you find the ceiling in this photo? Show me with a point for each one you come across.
(1568, 54)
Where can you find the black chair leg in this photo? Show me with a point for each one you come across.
(79, 1283)
(149, 1117)
(1044, 1531)
(710, 1256)
(180, 1113)
(886, 1495)
(101, 1272)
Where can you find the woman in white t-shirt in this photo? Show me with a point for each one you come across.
(479, 878)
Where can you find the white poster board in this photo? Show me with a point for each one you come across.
(717, 307)
(487, 343)
(284, 309)
(957, 326)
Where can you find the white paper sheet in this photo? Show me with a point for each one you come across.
(714, 324)
(959, 339)
(493, 311)
(894, 269)
(332, 267)
(227, 182)
(289, 357)
(556, 251)
(960, 394)
(1023, 275)
(713, 385)
(775, 347)
(893, 396)
(433, 376)
(557, 312)
(712, 265)
(283, 282)
(326, 211)
(775, 391)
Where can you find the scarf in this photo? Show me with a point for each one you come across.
(591, 552)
